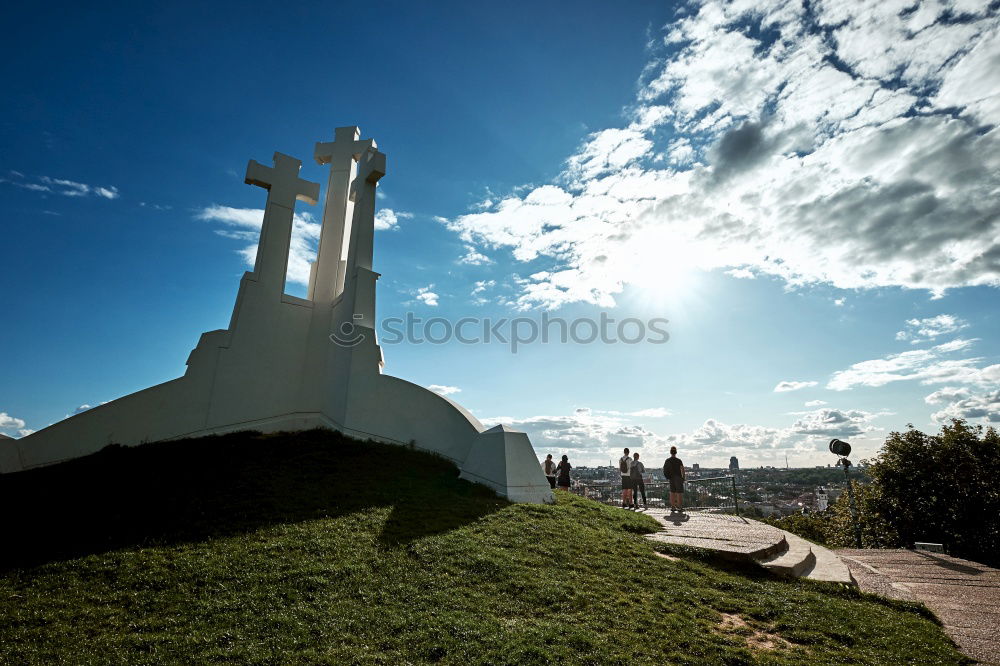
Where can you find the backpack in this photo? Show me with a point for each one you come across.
(623, 465)
(637, 470)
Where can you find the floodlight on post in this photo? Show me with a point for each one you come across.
(841, 448)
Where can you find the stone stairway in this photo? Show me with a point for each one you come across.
(743, 539)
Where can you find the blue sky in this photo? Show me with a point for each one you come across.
(807, 193)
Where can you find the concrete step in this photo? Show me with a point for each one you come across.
(829, 567)
(794, 561)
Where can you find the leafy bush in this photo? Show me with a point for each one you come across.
(942, 488)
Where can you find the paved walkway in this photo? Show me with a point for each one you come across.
(964, 595)
(731, 536)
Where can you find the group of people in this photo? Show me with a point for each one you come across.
(557, 475)
(632, 471)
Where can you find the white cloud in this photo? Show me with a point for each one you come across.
(244, 224)
(928, 366)
(444, 390)
(984, 407)
(67, 188)
(815, 403)
(599, 435)
(785, 386)
(922, 330)
(474, 257)
(387, 219)
(24, 432)
(835, 422)
(864, 159)
(946, 394)
(652, 412)
(8, 422)
(480, 287)
(426, 296)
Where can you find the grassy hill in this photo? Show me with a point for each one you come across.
(314, 548)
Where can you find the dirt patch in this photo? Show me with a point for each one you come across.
(757, 639)
(668, 557)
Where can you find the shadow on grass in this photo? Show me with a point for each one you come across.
(188, 490)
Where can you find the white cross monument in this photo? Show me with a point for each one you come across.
(288, 363)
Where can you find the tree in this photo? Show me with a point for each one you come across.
(941, 488)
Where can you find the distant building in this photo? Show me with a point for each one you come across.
(695, 467)
(734, 464)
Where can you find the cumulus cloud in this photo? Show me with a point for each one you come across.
(982, 407)
(835, 422)
(426, 296)
(474, 257)
(444, 390)
(584, 432)
(921, 330)
(387, 219)
(244, 224)
(9, 423)
(846, 143)
(599, 435)
(785, 386)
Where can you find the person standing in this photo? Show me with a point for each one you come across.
(562, 469)
(549, 467)
(673, 469)
(638, 485)
(625, 466)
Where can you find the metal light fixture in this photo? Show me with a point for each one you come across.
(839, 447)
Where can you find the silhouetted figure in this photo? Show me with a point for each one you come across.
(562, 469)
(673, 469)
(639, 486)
(549, 467)
(624, 466)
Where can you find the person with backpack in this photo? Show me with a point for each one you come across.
(625, 466)
(638, 485)
(673, 469)
(549, 467)
(563, 469)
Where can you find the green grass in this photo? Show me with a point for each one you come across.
(312, 548)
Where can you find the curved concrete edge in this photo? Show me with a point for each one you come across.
(796, 560)
(804, 559)
(830, 568)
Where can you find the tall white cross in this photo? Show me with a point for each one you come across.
(283, 187)
(327, 281)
